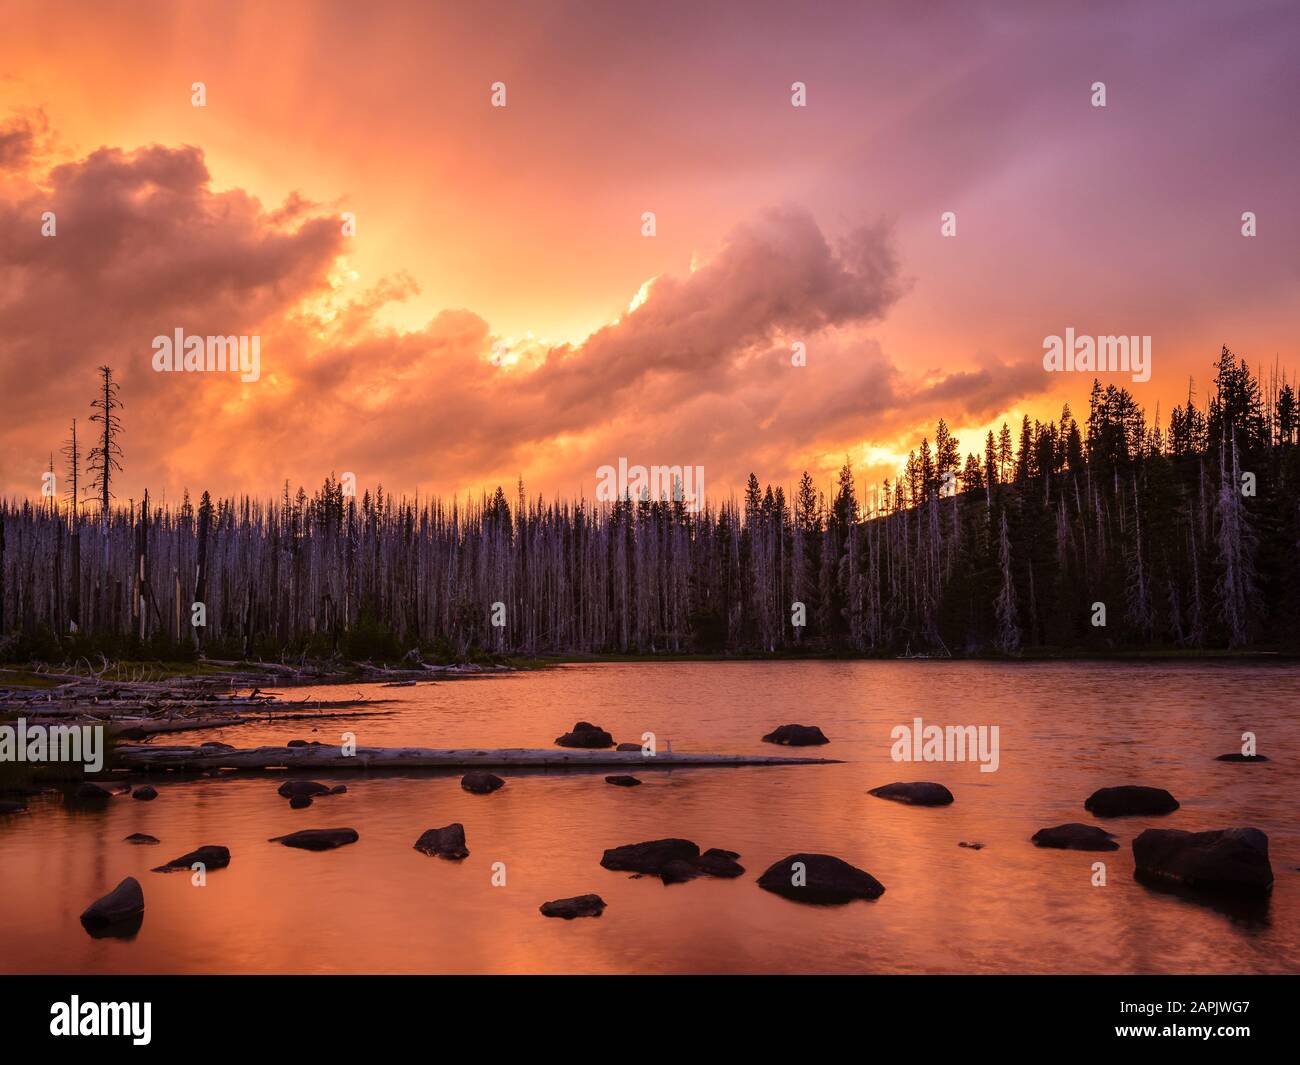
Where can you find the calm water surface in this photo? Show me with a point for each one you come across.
(381, 906)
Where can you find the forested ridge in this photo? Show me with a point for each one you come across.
(1184, 534)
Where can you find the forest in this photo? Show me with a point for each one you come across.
(1115, 534)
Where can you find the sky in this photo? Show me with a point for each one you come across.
(497, 311)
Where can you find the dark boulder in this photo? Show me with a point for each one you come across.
(121, 909)
(586, 735)
(716, 862)
(446, 842)
(1130, 800)
(88, 794)
(649, 857)
(481, 783)
(141, 837)
(1075, 837)
(318, 839)
(292, 788)
(971, 846)
(796, 736)
(819, 878)
(145, 793)
(578, 906)
(1237, 756)
(629, 747)
(914, 793)
(300, 802)
(623, 781)
(1232, 859)
(211, 857)
(673, 860)
(678, 871)
(10, 806)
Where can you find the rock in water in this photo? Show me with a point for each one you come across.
(1075, 837)
(796, 736)
(914, 793)
(1233, 859)
(649, 857)
(211, 857)
(11, 807)
(578, 906)
(716, 862)
(122, 908)
(292, 789)
(675, 861)
(145, 793)
(1130, 800)
(88, 794)
(141, 837)
(629, 747)
(586, 735)
(819, 878)
(623, 781)
(1236, 756)
(678, 871)
(318, 839)
(446, 842)
(481, 783)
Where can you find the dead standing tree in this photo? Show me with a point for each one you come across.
(73, 455)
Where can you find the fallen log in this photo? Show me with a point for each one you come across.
(129, 756)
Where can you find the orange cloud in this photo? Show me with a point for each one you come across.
(698, 372)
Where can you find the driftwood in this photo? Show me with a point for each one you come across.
(331, 757)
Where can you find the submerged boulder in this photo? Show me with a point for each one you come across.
(121, 909)
(914, 793)
(622, 781)
(796, 736)
(629, 747)
(12, 806)
(318, 839)
(141, 837)
(1234, 859)
(1130, 800)
(480, 782)
(145, 793)
(819, 878)
(300, 802)
(578, 906)
(1075, 837)
(448, 842)
(586, 735)
(1237, 756)
(211, 857)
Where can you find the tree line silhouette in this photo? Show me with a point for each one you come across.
(1115, 534)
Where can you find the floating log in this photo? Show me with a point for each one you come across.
(129, 756)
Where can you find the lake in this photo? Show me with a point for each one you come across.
(379, 906)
